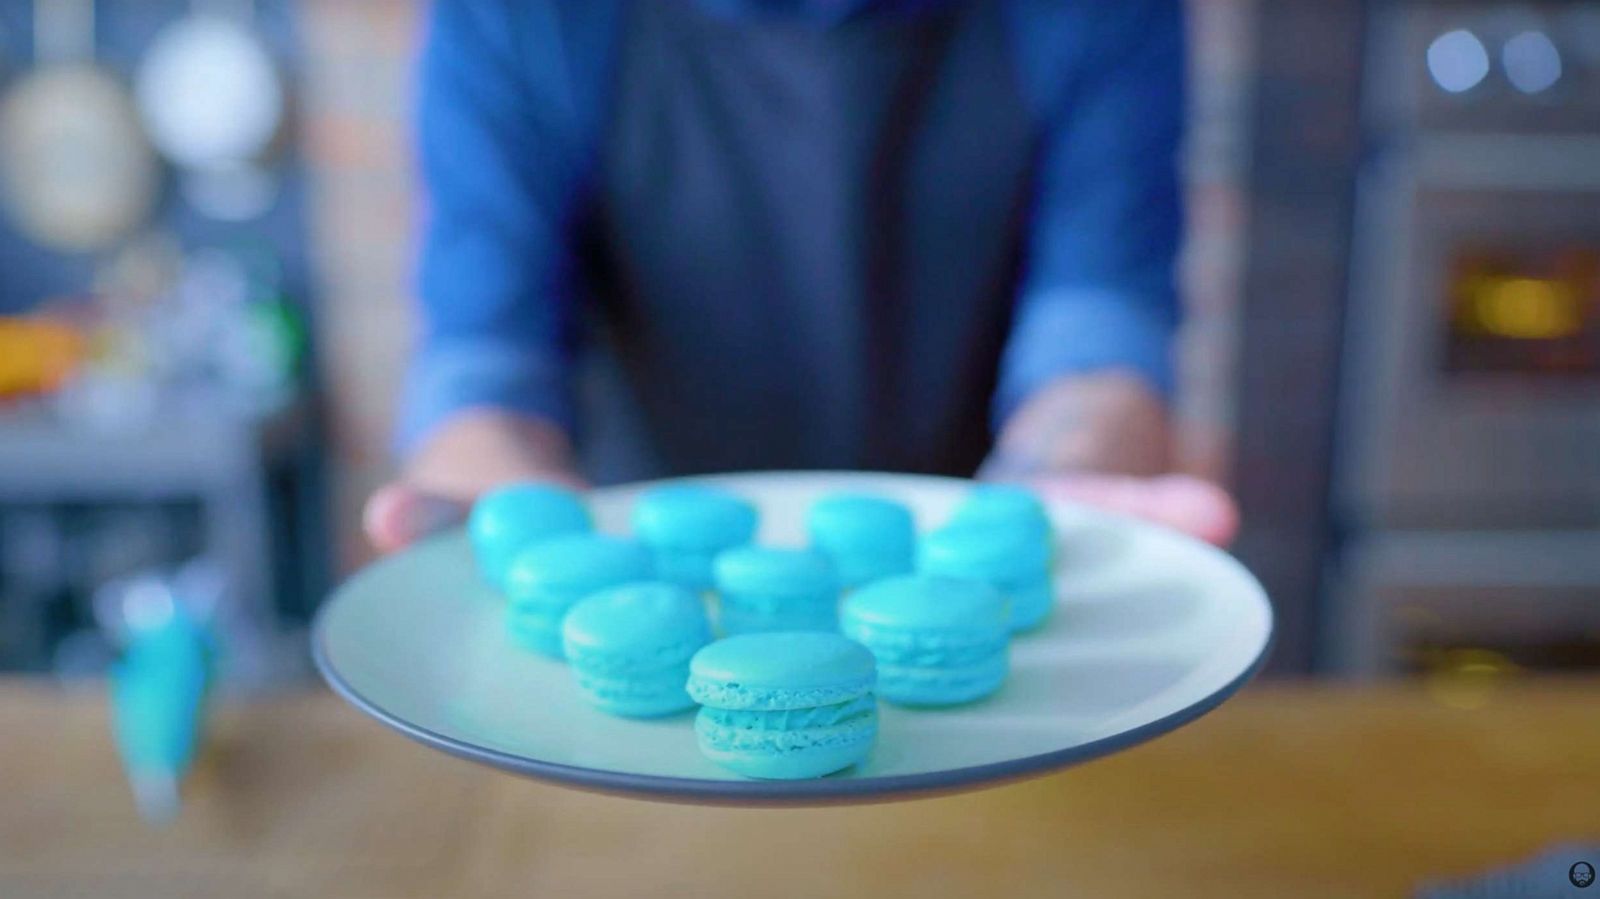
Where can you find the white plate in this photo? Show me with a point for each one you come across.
(1151, 630)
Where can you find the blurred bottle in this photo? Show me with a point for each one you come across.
(158, 686)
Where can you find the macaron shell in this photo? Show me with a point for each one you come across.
(737, 615)
(688, 568)
(866, 536)
(929, 603)
(1000, 555)
(996, 502)
(693, 516)
(643, 619)
(509, 519)
(567, 568)
(1031, 604)
(772, 571)
(783, 670)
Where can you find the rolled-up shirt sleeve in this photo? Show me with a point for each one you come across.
(1097, 291)
(500, 164)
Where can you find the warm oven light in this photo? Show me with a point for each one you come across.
(1526, 308)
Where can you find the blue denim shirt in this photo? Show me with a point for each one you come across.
(512, 94)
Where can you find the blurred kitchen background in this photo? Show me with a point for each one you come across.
(1393, 334)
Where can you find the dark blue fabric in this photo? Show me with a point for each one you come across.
(806, 241)
(513, 98)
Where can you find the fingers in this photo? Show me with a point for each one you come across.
(1188, 504)
(398, 515)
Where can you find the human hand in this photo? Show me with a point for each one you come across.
(1196, 507)
(470, 453)
(1102, 439)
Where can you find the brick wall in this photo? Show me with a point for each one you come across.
(355, 93)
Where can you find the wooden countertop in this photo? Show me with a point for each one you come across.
(1286, 791)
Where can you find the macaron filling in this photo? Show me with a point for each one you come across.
(790, 719)
(725, 695)
(845, 724)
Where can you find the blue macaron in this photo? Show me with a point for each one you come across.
(509, 519)
(548, 579)
(1009, 559)
(784, 705)
(630, 646)
(687, 525)
(1006, 505)
(938, 640)
(867, 537)
(761, 588)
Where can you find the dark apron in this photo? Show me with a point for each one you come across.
(805, 242)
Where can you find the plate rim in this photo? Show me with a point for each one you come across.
(820, 790)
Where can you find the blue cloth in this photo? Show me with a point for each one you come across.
(512, 100)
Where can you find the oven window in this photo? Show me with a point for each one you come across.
(1533, 311)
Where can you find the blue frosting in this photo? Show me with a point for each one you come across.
(693, 517)
(507, 520)
(782, 670)
(637, 626)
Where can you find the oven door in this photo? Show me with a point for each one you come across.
(1472, 390)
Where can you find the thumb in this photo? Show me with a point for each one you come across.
(1188, 504)
(399, 514)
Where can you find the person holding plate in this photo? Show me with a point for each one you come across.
(679, 236)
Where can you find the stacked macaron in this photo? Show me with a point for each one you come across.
(687, 525)
(630, 646)
(938, 641)
(866, 537)
(784, 705)
(546, 580)
(761, 588)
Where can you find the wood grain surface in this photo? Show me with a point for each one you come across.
(1286, 791)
